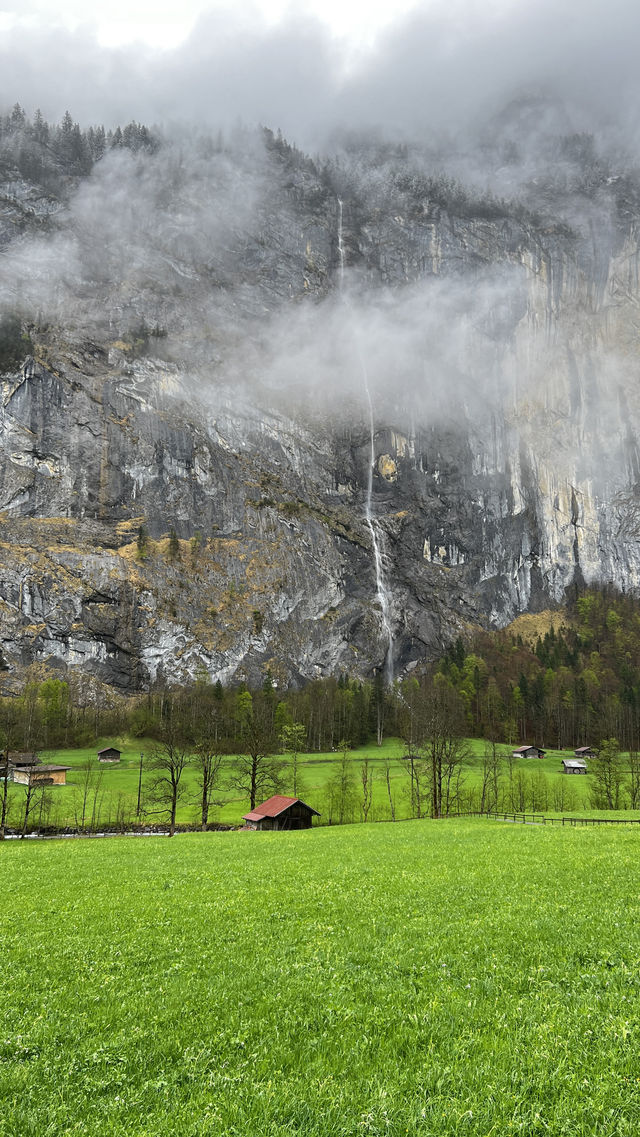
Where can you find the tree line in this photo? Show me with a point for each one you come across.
(249, 744)
(44, 153)
(209, 744)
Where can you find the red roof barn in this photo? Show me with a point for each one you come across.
(281, 813)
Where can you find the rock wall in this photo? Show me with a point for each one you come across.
(158, 520)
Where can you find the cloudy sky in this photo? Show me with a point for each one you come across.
(165, 24)
(407, 65)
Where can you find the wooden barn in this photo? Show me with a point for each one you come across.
(17, 761)
(41, 775)
(281, 813)
(528, 752)
(586, 752)
(574, 766)
(109, 754)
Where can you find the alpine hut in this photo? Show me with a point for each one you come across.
(14, 762)
(280, 813)
(109, 754)
(528, 752)
(585, 752)
(574, 766)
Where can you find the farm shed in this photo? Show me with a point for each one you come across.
(109, 754)
(281, 813)
(574, 766)
(528, 752)
(17, 761)
(585, 752)
(41, 775)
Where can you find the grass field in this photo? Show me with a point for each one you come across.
(453, 977)
(119, 784)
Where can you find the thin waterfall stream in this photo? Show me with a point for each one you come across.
(383, 594)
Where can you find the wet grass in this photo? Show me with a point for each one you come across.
(459, 977)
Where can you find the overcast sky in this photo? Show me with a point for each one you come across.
(306, 67)
(166, 23)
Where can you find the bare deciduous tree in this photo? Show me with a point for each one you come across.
(387, 778)
(443, 745)
(36, 797)
(341, 788)
(366, 784)
(169, 759)
(88, 794)
(491, 770)
(9, 726)
(208, 762)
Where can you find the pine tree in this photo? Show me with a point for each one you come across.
(174, 546)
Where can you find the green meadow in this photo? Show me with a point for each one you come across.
(431, 977)
(116, 794)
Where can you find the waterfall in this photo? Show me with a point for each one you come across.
(383, 594)
(340, 245)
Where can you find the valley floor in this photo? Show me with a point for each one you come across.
(107, 795)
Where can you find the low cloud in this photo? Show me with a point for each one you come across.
(439, 68)
(197, 240)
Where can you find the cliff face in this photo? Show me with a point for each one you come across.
(464, 451)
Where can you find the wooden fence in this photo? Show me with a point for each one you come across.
(540, 819)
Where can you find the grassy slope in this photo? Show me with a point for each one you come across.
(121, 781)
(432, 977)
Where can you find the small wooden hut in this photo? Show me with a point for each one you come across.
(14, 761)
(574, 766)
(528, 752)
(281, 813)
(585, 752)
(109, 754)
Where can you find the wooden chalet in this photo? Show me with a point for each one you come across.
(109, 754)
(528, 752)
(586, 752)
(41, 775)
(280, 813)
(574, 766)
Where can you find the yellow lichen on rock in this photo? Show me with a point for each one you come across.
(387, 468)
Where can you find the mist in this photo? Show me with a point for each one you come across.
(455, 142)
(212, 250)
(222, 252)
(440, 68)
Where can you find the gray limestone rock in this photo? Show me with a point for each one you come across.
(494, 458)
